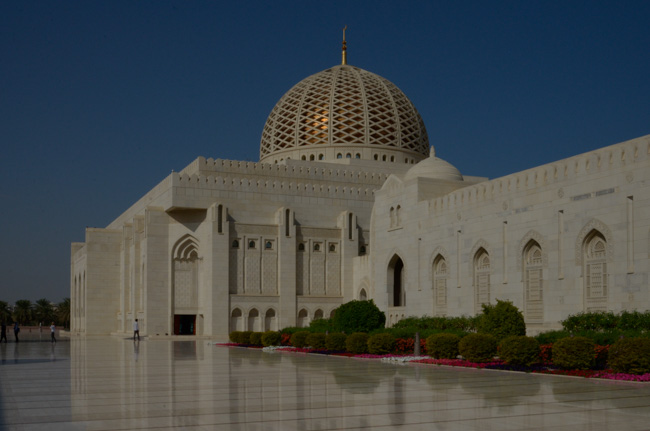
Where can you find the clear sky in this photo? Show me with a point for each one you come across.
(99, 101)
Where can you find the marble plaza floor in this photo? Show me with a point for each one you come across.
(110, 383)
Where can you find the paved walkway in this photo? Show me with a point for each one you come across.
(110, 383)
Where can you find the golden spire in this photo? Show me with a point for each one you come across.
(344, 60)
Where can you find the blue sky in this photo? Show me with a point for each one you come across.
(99, 101)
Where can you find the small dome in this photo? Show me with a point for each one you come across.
(434, 168)
(344, 110)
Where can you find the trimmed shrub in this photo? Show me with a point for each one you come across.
(381, 344)
(321, 325)
(519, 350)
(443, 346)
(245, 337)
(501, 320)
(478, 347)
(574, 353)
(256, 339)
(299, 339)
(316, 340)
(235, 337)
(358, 316)
(630, 355)
(335, 341)
(271, 338)
(439, 323)
(357, 343)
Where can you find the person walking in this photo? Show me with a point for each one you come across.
(3, 334)
(16, 330)
(136, 329)
(52, 329)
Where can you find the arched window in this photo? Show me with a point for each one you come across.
(304, 158)
(363, 296)
(332, 248)
(534, 305)
(339, 156)
(317, 247)
(396, 282)
(311, 158)
(318, 314)
(391, 213)
(440, 275)
(362, 250)
(303, 319)
(251, 244)
(254, 320)
(595, 272)
(235, 244)
(268, 245)
(236, 320)
(392, 158)
(376, 156)
(357, 156)
(320, 157)
(301, 247)
(270, 320)
(348, 156)
(383, 158)
(481, 279)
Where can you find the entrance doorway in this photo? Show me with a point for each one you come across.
(184, 324)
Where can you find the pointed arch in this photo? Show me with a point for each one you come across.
(303, 318)
(525, 241)
(270, 320)
(481, 243)
(595, 271)
(395, 281)
(185, 281)
(236, 321)
(440, 275)
(481, 266)
(603, 229)
(185, 248)
(532, 258)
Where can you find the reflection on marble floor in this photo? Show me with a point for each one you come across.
(107, 383)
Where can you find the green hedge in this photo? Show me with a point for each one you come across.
(501, 320)
(316, 340)
(357, 343)
(603, 321)
(461, 324)
(381, 344)
(255, 339)
(271, 338)
(335, 341)
(358, 316)
(519, 350)
(443, 346)
(574, 353)
(478, 347)
(630, 355)
(299, 339)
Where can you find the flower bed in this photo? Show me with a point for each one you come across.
(544, 367)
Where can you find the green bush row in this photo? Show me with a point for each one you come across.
(603, 321)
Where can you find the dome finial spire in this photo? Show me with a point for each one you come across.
(344, 59)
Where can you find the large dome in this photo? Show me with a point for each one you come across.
(344, 112)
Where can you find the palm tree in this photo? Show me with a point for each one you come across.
(63, 312)
(5, 313)
(44, 311)
(23, 311)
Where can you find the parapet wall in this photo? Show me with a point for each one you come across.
(237, 184)
(203, 166)
(614, 159)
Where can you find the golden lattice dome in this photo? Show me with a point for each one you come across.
(344, 112)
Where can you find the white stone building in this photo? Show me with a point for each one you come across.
(348, 202)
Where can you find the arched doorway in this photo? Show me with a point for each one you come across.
(396, 282)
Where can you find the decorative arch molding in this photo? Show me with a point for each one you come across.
(185, 247)
(594, 225)
(391, 255)
(532, 235)
(363, 286)
(438, 251)
(480, 244)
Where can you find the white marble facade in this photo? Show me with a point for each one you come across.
(344, 207)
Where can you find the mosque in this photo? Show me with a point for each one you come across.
(349, 201)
